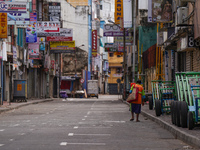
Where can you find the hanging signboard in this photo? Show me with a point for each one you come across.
(62, 47)
(42, 43)
(54, 11)
(31, 30)
(33, 50)
(48, 27)
(113, 30)
(14, 57)
(63, 32)
(110, 47)
(94, 43)
(159, 11)
(118, 10)
(127, 16)
(58, 38)
(4, 25)
(120, 40)
(20, 18)
(13, 7)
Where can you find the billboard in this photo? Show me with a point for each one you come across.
(127, 6)
(94, 43)
(67, 32)
(33, 50)
(20, 18)
(113, 30)
(110, 47)
(4, 25)
(13, 7)
(54, 11)
(48, 27)
(62, 47)
(118, 10)
(160, 11)
(31, 30)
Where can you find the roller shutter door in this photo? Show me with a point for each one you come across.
(196, 60)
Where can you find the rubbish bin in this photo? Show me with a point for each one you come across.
(20, 88)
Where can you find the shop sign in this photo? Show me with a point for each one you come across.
(118, 10)
(42, 43)
(117, 75)
(128, 41)
(31, 30)
(14, 57)
(4, 25)
(63, 32)
(113, 31)
(13, 7)
(94, 43)
(33, 50)
(110, 47)
(62, 47)
(58, 38)
(20, 18)
(48, 27)
(54, 11)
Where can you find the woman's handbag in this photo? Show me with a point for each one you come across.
(134, 95)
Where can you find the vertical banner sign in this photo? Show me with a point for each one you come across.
(127, 6)
(31, 30)
(14, 57)
(54, 11)
(33, 50)
(3, 25)
(118, 10)
(94, 43)
(42, 44)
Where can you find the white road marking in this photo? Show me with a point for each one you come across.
(83, 119)
(91, 127)
(22, 134)
(76, 127)
(15, 125)
(65, 143)
(2, 130)
(72, 134)
(11, 139)
(88, 112)
(1, 144)
(116, 121)
(26, 120)
(85, 116)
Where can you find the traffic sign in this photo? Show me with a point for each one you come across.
(82, 80)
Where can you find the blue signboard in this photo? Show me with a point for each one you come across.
(31, 30)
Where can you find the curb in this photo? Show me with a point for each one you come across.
(189, 139)
(26, 104)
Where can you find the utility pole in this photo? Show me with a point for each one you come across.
(134, 38)
(124, 63)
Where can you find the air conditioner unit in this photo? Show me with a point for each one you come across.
(181, 15)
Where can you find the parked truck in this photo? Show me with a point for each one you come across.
(92, 88)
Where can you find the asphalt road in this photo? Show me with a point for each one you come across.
(82, 124)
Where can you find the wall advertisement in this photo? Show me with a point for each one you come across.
(31, 30)
(62, 47)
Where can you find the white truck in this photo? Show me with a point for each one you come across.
(92, 88)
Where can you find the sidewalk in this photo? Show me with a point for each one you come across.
(191, 137)
(15, 105)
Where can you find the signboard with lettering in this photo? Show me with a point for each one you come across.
(33, 50)
(48, 27)
(94, 43)
(13, 7)
(63, 32)
(4, 26)
(31, 30)
(113, 30)
(58, 38)
(118, 10)
(54, 11)
(62, 47)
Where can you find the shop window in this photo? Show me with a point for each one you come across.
(118, 70)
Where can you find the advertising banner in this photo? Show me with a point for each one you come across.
(58, 38)
(42, 43)
(113, 30)
(160, 11)
(118, 10)
(54, 11)
(63, 32)
(48, 27)
(33, 50)
(20, 18)
(4, 25)
(127, 6)
(14, 57)
(13, 7)
(31, 30)
(120, 40)
(110, 47)
(94, 43)
(62, 47)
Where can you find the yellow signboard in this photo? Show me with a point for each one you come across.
(3, 25)
(118, 11)
(62, 46)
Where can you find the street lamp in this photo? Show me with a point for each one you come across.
(124, 57)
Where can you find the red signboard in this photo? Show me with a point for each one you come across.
(58, 38)
(94, 43)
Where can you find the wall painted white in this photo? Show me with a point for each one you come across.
(77, 19)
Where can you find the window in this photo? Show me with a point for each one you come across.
(109, 70)
(119, 55)
(118, 70)
(111, 54)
